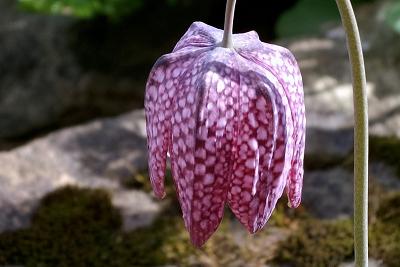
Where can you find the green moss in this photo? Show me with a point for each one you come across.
(71, 227)
(284, 216)
(328, 243)
(141, 180)
(83, 208)
(389, 210)
(386, 149)
(385, 243)
(79, 227)
(385, 232)
(164, 242)
(318, 243)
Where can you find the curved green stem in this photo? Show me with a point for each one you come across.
(228, 26)
(360, 133)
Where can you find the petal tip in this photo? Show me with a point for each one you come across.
(253, 228)
(160, 195)
(159, 191)
(294, 203)
(197, 241)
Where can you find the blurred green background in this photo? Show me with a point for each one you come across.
(288, 11)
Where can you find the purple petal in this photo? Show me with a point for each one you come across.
(183, 136)
(262, 162)
(197, 36)
(254, 146)
(158, 126)
(208, 126)
(160, 90)
(283, 65)
(276, 177)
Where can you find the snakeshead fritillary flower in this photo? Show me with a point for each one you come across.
(232, 122)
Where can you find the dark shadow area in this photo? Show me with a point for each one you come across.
(129, 46)
(60, 71)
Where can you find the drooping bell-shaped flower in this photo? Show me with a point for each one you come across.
(232, 122)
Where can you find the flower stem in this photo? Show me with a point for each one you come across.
(228, 26)
(360, 133)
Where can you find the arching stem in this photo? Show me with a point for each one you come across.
(228, 26)
(360, 133)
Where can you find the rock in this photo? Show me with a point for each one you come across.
(329, 143)
(101, 154)
(328, 194)
(137, 208)
(325, 68)
(259, 249)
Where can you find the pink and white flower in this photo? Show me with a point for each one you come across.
(233, 124)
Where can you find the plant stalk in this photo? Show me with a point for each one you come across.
(228, 26)
(360, 133)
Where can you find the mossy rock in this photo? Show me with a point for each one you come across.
(284, 216)
(141, 181)
(385, 232)
(389, 210)
(323, 161)
(71, 227)
(82, 208)
(80, 227)
(381, 148)
(385, 243)
(386, 149)
(318, 243)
